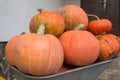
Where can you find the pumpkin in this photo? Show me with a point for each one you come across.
(73, 16)
(80, 47)
(9, 49)
(109, 46)
(63, 68)
(99, 26)
(38, 54)
(54, 23)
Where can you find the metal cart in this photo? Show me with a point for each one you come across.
(90, 72)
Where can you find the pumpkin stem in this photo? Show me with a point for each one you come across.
(41, 10)
(80, 27)
(41, 29)
(23, 33)
(94, 16)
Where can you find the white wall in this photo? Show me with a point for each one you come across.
(16, 14)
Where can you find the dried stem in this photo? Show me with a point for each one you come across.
(80, 27)
(41, 29)
(41, 10)
(94, 16)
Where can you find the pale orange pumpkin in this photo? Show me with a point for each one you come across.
(38, 54)
(9, 49)
(109, 47)
(73, 16)
(80, 47)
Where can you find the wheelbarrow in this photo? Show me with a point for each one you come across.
(90, 72)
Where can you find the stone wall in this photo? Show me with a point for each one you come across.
(112, 72)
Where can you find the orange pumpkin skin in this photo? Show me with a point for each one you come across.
(38, 54)
(54, 23)
(99, 26)
(109, 47)
(9, 49)
(80, 47)
(73, 16)
(63, 68)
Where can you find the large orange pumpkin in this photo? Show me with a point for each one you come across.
(80, 47)
(9, 49)
(73, 16)
(54, 23)
(38, 54)
(99, 26)
(109, 46)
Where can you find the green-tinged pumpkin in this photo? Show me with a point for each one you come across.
(54, 23)
(80, 47)
(109, 46)
(73, 16)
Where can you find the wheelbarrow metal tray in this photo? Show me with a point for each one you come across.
(90, 72)
(1, 72)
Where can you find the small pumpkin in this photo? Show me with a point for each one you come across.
(109, 46)
(38, 54)
(9, 49)
(54, 23)
(73, 16)
(80, 47)
(99, 26)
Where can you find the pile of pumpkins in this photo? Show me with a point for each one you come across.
(62, 37)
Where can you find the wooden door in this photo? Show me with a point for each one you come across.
(104, 9)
